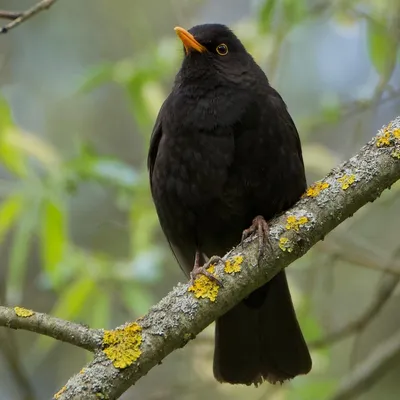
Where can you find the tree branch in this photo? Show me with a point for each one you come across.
(65, 331)
(124, 355)
(18, 17)
(129, 352)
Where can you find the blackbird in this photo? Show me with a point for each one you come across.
(225, 157)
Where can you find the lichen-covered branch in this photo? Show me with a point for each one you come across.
(65, 331)
(20, 17)
(130, 351)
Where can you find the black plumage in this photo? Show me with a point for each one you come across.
(224, 150)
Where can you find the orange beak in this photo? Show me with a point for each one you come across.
(189, 41)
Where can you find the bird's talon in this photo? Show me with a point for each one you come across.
(260, 226)
(197, 270)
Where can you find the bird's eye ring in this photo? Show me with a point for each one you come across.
(222, 49)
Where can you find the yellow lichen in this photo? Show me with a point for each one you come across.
(315, 189)
(347, 181)
(205, 288)
(294, 223)
(60, 392)
(384, 139)
(396, 154)
(82, 371)
(233, 266)
(122, 345)
(187, 336)
(23, 312)
(387, 135)
(284, 244)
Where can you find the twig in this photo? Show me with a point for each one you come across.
(362, 257)
(351, 109)
(369, 371)
(9, 348)
(65, 331)
(24, 16)
(384, 292)
(10, 14)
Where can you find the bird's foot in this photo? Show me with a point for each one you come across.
(260, 227)
(202, 270)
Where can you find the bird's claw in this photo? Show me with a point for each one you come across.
(260, 227)
(202, 270)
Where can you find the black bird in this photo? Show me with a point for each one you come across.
(224, 156)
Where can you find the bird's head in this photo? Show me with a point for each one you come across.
(213, 50)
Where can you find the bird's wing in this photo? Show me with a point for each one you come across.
(182, 259)
(155, 141)
(268, 151)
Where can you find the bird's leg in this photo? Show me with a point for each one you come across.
(202, 270)
(259, 226)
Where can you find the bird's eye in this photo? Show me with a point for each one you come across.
(222, 49)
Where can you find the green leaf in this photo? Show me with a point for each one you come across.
(31, 145)
(71, 303)
(135, 90)
(107, 170)
(73, 299)
(382, 47)
(294, 11)
(53, 235)
(5, 115)
(96, 77)
(115, 172)
(137, 298)
(19, 251)
(100, 310)
(311, 328)
(316, 389)
(12, 157)
(266, 14)
(9, 210)
(319, 159)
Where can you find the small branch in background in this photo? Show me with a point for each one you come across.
(10, 14)
(19, 18)
(360, 256)
(385, 290)
(351, 109)
(371, 370)
(9, 349)
(65, 331)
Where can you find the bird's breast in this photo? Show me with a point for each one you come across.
(191, 168)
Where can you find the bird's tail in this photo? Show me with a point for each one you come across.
(260, 338)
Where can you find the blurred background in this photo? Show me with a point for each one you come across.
(80, 87)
